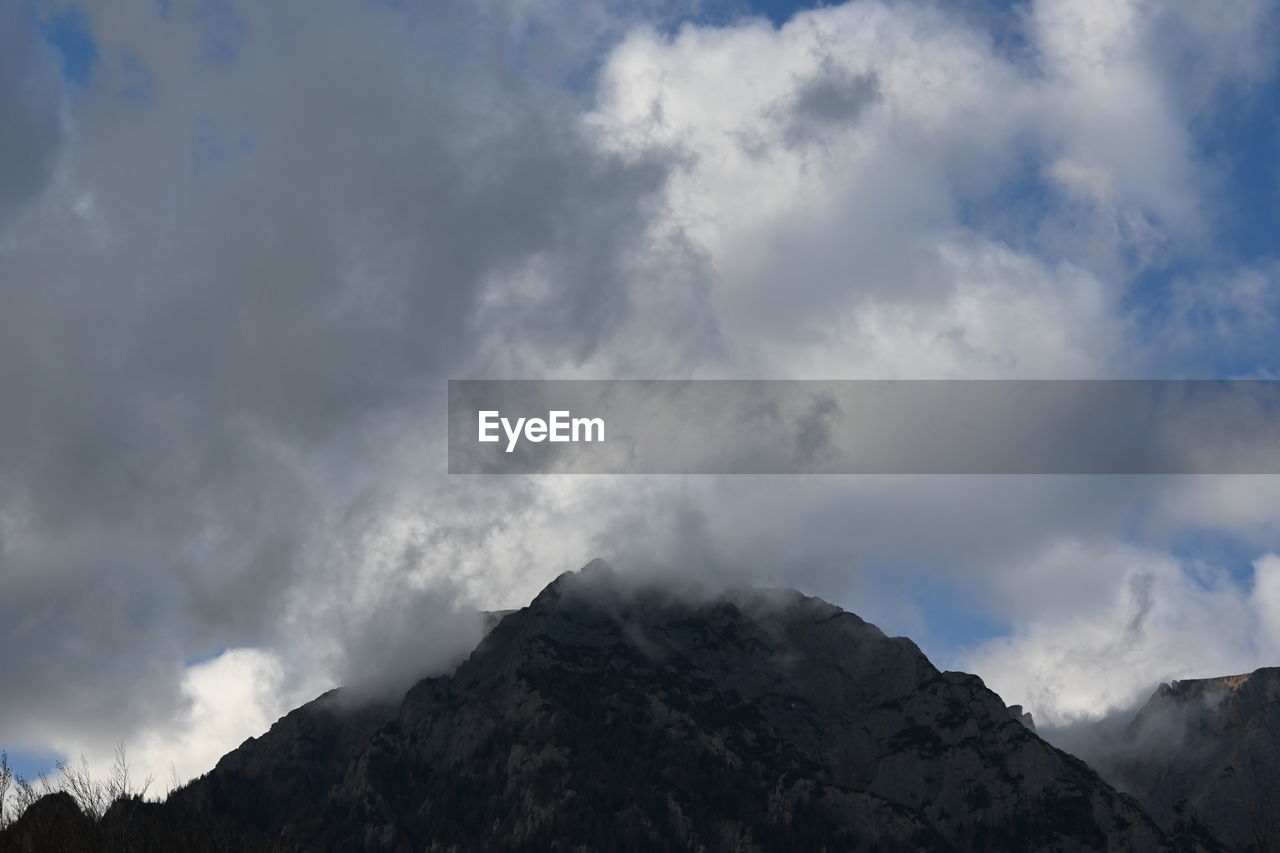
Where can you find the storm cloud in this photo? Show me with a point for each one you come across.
(240, 260)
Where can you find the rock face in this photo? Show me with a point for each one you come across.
(53, 823)
(1206, 752)
(605, 717)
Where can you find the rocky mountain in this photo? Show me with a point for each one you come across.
(605, 716)
(1206, 752)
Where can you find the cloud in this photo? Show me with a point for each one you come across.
(31, 99)
(225, 327)
(234, 696)
(238, 265)
(1099, 628)
(894, 261)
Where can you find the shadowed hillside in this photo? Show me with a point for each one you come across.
(610, 717)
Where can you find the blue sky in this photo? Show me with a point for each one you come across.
(68, 31)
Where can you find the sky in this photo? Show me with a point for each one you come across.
(244, 245)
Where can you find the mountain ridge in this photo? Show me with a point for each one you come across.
(612, 715)
(1205, 752)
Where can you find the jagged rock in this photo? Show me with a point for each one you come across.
(1206, 753)
(603, 716)
(611, 717)
(491, 618)
(1022, 716)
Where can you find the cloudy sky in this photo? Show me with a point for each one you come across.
(243, 245)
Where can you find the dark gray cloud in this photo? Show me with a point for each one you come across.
(831, 100)
(211, 365)
(31, 102)
(250, 252)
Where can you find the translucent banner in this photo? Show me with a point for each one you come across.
(864, 427)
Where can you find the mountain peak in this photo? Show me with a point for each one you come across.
(1221, 686)
(611, 713)
(750, 719)
(1202, 753)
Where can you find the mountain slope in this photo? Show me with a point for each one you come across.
(606, 717)
(1208, 751)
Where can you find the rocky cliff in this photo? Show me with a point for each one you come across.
(609, 717)
(1207, 752)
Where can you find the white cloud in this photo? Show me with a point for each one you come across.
(220, 375)
(852, 249)
(1097, 627)
(232, 697)
(1265, 599)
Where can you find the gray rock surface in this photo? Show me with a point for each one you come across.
(610, 717)
(1206, 752)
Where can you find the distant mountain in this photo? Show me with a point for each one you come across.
(610, 717)
(1206, 753)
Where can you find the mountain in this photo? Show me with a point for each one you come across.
(1206, 752)
(607, 716)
